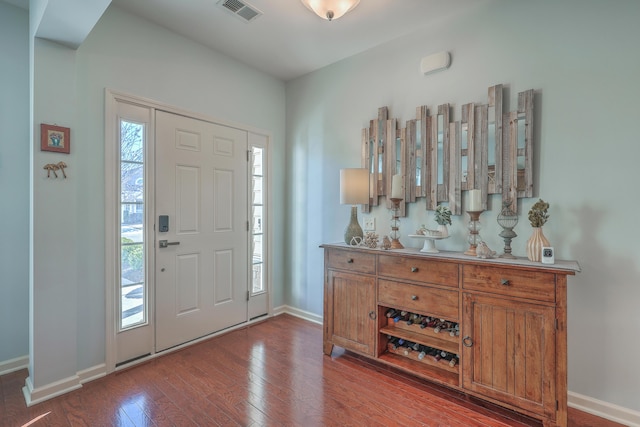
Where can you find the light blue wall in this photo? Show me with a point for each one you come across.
(581, 58)
(14, 182)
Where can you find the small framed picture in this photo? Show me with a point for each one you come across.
(55, 138)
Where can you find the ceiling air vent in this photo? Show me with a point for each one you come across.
(240, 9)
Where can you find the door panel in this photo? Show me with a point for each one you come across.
(201, 184)
(513, 352)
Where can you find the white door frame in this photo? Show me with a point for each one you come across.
(112, 98)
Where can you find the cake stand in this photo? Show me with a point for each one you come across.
(429, 242)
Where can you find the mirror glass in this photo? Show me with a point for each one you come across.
(380, 148)
(521, 140)
(464, 146)
(371, 163)
(520, 160)
(440, 148)
(418, 153)
(398, 168)
(491, 140)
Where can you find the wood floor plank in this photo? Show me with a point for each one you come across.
(269, 374)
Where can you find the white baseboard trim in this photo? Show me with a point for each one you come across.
(33, 396)
(604, 410)
(93, 373)
(306, 315)
(13, 365)
(37, 395)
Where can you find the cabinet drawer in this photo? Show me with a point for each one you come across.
(517, 283)
(436, 302)
(418, 270)
(352, 260)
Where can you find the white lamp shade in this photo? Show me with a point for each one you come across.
(336, 7)
(354, 186)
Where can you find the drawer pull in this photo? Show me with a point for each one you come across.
(372, 315)
(414, 269)
(467, 341)
(505, 282)
(414, 297)
(350, 261)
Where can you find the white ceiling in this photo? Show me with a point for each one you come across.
(288, 40)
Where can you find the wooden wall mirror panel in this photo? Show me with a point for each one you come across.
(487, 149)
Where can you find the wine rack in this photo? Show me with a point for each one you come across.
(428, 338)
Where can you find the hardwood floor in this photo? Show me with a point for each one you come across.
(270, 374)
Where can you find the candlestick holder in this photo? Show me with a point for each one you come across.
(395, 224)
(474, 232)
(507, 219)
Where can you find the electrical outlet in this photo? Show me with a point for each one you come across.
(369, 224)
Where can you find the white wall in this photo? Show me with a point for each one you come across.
(129, 55)
(14, 182)
(581, 58)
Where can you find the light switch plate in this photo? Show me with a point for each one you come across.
(370, 224)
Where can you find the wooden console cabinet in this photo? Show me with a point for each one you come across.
(509, 343)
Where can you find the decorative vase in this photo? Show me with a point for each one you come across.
(535, 244)
(443, 230)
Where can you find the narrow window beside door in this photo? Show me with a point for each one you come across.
(132, 223)
(257, 214)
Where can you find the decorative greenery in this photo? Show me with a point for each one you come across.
(538, 213)
(443, 215)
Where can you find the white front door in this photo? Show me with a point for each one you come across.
(202, 260)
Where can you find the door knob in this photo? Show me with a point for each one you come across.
(165, 243)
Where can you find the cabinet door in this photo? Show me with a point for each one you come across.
(509, 352)
(350, 316)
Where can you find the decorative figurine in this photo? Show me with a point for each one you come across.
(370, 240)
(484, 251)
(386, 242)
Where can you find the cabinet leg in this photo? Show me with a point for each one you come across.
(328, 348)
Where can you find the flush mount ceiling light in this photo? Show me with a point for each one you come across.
(330, 9)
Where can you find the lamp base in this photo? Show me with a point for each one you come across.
(353, 230)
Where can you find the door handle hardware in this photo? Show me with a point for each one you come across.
(504, 282)
(165, 243)
(372, 315)
(414, 269)
(467, 341)
(414, 297)
(350, 261)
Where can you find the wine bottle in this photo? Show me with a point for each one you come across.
(392, 312)
(455, 331)
(453, 359)
(425, 322)
(415, 319)
(408, 348)
(393, 341)
(403, 315)
(440, 354)
(441, 325)
(423, 353)
(412, 319)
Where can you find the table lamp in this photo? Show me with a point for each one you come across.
(354, 190)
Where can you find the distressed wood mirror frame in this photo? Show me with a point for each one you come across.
(487, 149)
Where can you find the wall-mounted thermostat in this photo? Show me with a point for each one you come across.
(548, 255)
